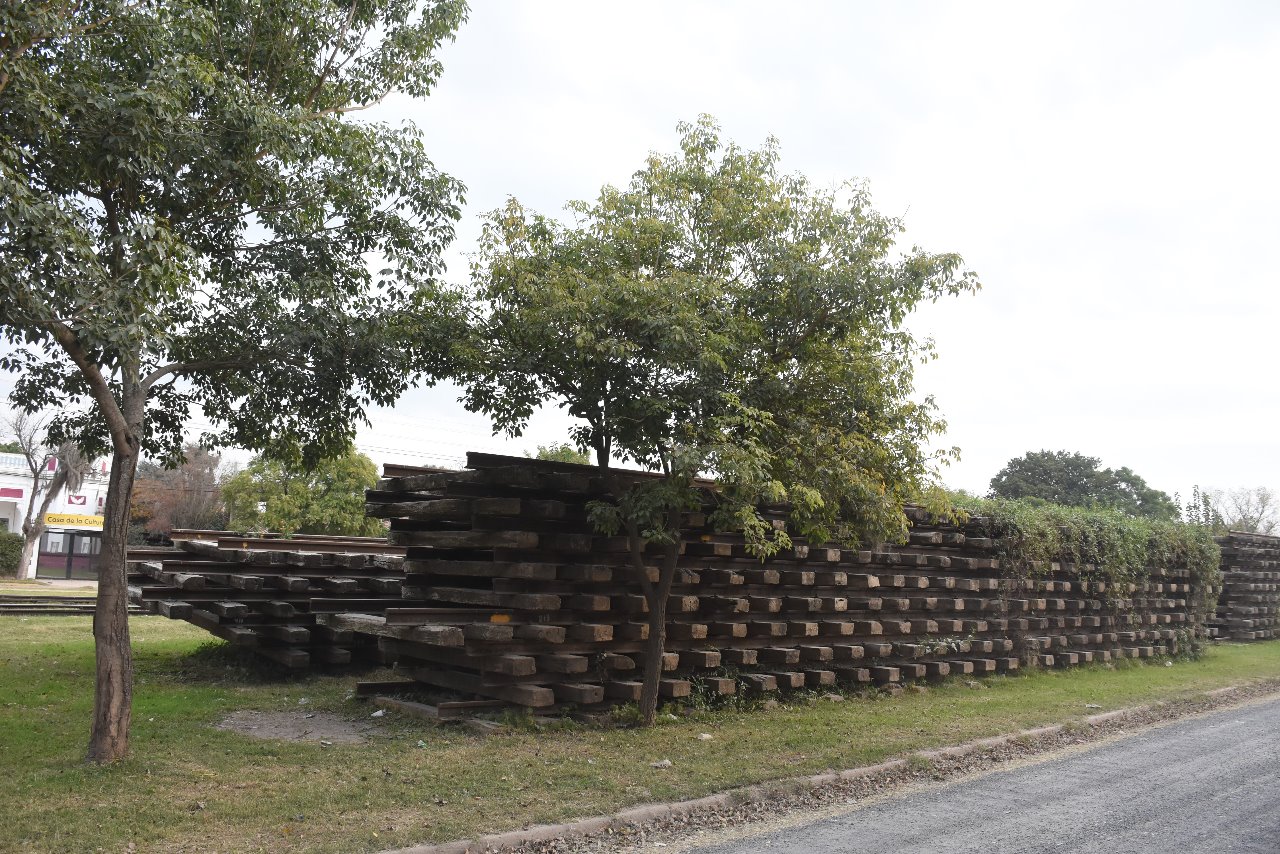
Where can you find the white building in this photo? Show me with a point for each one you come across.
(73, 537)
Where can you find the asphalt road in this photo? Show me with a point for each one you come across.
(1209, 784)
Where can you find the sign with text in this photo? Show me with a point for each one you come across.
(73, 519)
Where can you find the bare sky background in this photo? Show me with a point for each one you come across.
(1108, 168)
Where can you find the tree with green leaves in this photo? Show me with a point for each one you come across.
(193, 220)
(326, 497)
(716, 318)
(562, 453)
(1074, 480)
(1199, 510)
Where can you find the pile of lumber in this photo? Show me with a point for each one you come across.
(525, 603)
(266, 592)
(1247, 608)
(50, 606)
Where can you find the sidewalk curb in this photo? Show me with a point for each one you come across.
(762, 792)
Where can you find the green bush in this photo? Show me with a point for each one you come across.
(10, 553)
(1104, 545)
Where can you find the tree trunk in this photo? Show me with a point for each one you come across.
(113, 689)
(656, 646)
(33, 526)
(29, 543)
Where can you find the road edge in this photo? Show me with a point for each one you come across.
(1033, 741)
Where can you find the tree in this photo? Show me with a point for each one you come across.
(1200, 510)
(188, 496)
(69, 468)
(1253, 511)
(562, 453)
(1125, 491)
(324, 498)
(1074, 480)
(192, 218)
(716, 318)
(10, 553)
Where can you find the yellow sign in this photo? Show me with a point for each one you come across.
(73, 519)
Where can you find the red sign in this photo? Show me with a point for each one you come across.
(77, 500)
(10, 492)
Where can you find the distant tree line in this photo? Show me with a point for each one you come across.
(1075, 480)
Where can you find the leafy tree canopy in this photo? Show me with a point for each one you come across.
(190, 216)
(720, 317)
(326, 498)
(1074, 480)
(11, 447)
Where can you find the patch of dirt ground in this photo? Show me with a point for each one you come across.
(296, 726)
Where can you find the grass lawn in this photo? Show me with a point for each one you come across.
(190, 787)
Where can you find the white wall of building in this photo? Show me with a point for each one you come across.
(70, 511)
(15, 491)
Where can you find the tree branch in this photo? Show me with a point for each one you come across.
(187, 367)
(339, 111)
(98, 387)
(310, 100)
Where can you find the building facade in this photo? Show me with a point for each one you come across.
(73, 536)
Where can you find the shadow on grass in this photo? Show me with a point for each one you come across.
(216, 661)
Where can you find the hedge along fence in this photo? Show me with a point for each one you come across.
(1102, 547)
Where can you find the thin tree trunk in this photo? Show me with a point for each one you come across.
(28, 549)
(30, 535)
(656, 595)
(654, 649)
(33, 526)
(113, 689)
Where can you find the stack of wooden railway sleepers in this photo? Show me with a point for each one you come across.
(528, 605)
(1247, 608)
(50, 606)
(266, 592)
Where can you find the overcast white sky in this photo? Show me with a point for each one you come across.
(1108, 168)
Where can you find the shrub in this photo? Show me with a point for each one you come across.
(1104, 545)
(10, 553)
